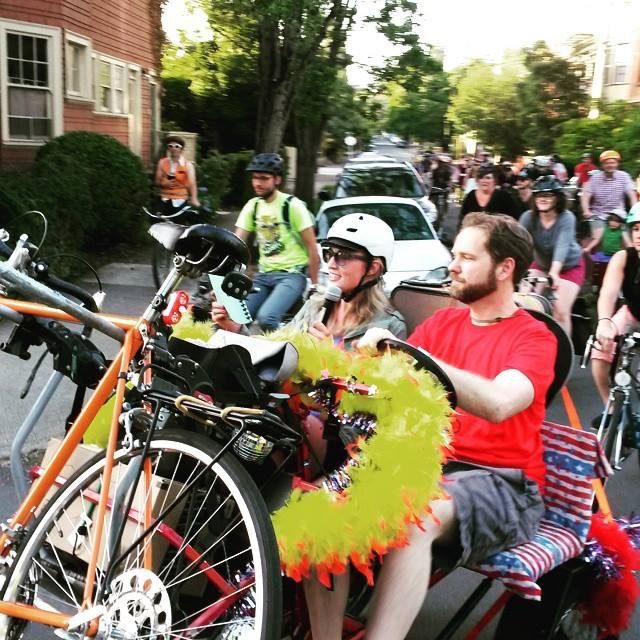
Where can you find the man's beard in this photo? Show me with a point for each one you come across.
(469, 293)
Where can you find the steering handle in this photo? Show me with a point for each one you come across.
(424, 361)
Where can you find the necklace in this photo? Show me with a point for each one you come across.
(493, 320)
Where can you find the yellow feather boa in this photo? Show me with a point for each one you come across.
(398, 468)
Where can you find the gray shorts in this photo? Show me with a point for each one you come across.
(495, 509)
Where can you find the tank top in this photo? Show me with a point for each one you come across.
(611, 240)
(631, 282)
(179, 189)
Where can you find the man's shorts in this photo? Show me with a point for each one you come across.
(495, 508)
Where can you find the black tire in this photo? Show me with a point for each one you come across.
(222, 517)
(161, 263)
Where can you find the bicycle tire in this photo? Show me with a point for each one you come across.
(223, 517)
(161, 263)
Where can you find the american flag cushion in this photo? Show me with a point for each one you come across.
(573, 459)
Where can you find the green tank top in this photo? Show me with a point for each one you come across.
(611, 240)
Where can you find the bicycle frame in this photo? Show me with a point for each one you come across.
(132, 332)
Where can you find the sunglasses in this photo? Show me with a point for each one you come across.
(174, 146)
(340, 256)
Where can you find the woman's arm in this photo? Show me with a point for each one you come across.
(611, 285)
(566, 225)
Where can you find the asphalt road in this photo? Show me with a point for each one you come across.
(129, 288)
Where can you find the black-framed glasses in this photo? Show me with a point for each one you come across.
(341, 256)
(173, 145)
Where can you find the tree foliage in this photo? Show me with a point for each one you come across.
(549, 95)
(485, 104)
(616, 127)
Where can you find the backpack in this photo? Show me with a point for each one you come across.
(285, 217)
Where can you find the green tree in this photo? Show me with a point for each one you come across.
(549, 95)
(616, 127)
(485, 104)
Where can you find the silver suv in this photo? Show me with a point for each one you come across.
(371, 174)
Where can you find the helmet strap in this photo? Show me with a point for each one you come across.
(363, 286)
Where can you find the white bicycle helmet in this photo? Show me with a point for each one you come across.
(634, 214)
(361, 230)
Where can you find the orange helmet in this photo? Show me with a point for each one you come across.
(609, 154)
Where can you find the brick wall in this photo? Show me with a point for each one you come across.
(128, 30)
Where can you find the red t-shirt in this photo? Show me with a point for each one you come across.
(520, 342)
(582, 171)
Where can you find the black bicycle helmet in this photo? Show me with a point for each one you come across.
(549, 184)
(266, 163)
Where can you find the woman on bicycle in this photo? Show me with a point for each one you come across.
(176, 176)
(557, 254)
(357, 251)
(622, 274)
(487, 197)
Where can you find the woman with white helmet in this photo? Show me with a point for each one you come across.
(357, 251)
(622, 274)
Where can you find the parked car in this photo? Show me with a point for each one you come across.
(372, 174)
(417, 248)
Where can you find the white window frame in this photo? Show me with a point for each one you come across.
(114, 64)
(54, 35)
(86, 74)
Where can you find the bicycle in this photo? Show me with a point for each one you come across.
(181, 523)
(619, 428)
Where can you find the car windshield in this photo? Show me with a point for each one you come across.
(406, 220)
(382, 181)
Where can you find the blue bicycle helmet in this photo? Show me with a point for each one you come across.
(266, 163)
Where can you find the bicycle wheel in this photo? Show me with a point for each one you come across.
(161, 263)
(215, 569)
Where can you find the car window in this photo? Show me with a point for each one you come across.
(406, 220)
(381, 181)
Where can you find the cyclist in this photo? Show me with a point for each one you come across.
(622, 275)
(524, 194)
(286, 242)
(557, 253)
(176, 177)
(486, 196)
(606, 191)
(490, 349)
(584, 168)
(614, 237)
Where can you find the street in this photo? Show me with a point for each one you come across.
(129, 289)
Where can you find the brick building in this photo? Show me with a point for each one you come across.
(70, 65)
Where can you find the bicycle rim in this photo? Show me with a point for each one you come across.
(215, 568)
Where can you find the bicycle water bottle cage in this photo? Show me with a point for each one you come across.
(208, 248)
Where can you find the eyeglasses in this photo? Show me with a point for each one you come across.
(340, 256)
(174, 146)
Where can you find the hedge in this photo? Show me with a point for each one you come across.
(91, 189)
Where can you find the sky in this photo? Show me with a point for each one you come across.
(464, 29)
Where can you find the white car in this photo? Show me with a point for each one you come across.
(417, 248)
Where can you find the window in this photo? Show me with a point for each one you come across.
(622, 60)
(111, 86)
(78, 67)
(31, 98)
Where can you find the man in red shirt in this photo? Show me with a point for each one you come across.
(500, 361)
(582, 168)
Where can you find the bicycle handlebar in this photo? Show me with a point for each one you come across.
(34, 290)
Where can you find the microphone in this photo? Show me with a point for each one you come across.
(332, 294)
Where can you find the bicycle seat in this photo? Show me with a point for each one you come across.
(209, 246)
